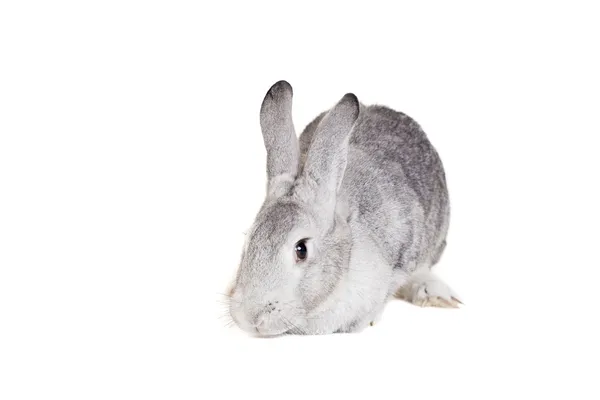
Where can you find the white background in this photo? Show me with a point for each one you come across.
(131, 162)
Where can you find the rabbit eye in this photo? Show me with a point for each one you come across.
(300, 250)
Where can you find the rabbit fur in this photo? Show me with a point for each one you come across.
(366, 191)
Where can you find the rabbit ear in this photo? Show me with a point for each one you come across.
(280, 138)
(326, 159)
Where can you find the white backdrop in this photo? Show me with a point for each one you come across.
(131, 162)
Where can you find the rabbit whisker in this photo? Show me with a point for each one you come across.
(290, 324)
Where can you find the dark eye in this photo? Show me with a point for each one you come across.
(300, 250)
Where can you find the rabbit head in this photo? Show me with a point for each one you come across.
(298, 245)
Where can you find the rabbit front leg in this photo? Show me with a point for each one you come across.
(381, 296)
(361, 324)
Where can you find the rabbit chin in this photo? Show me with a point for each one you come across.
(271, 327)
(268, 332)
(272, 321)
(279, 326)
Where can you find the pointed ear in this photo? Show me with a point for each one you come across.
(326, 159)
(280, 139)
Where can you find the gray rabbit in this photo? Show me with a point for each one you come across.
(356, 212)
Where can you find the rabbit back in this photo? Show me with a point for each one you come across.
(394, 186)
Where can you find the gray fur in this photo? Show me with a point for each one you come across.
(368, 189)
(279, 137)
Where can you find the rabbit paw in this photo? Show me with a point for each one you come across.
(427, 290)
(435, 294)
